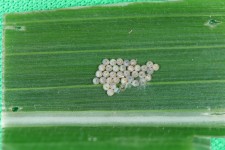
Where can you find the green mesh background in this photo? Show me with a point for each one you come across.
(8, 6)
(217, 143)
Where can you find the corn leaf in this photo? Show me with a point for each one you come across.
(50, 59)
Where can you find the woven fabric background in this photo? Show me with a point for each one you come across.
(8, 6)
(217, 143)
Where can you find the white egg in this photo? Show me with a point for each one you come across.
(137, 67)
(148, 77)
(116, 80)
(124, 81)
(96, 81)
(120, 74)
(123, 68)
(115, 68)
(112, 86)
(112, 62)
(149, 64)
(110, 92)
(126, 63)
(105, 61)
(150, 71)
(106, 86)
(101, 67)
(133, 62)
(102, 80)
(109, 80)
(156, 67)
(126, 73)
(134, 74)
(112, 74)
(130, 68)
(144, 68)
(116, 90)
(98, 74)
(108, 68)
(119, 61)
(135, 83)
(106, 74)
(141, 74)
(130, 79)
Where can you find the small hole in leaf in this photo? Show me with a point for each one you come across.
(218, 113)
(213, 22)
(15, 109)
(18, 27)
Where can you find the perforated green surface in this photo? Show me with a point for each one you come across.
(8, 6)
(217, 143)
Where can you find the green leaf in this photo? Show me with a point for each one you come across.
(128, 138)
(50, 59)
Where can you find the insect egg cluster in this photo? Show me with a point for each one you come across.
(117, 74)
